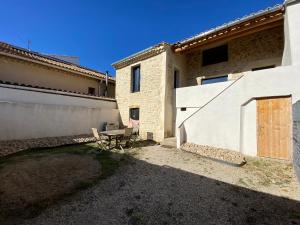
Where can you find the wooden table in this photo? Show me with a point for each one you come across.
(113, 134)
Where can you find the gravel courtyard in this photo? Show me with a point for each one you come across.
(166, 186)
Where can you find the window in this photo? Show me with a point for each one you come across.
(215, 55)
(135, 79)
(134, 113)
(176, 79)
(263, 68)
(91, 91)
(214, 80)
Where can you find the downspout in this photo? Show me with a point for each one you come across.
(106, 84)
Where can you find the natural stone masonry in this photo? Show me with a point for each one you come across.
(13, 146)
(150, 99)
(215, 153)
(261, 49)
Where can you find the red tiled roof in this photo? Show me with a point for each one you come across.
(17, 52)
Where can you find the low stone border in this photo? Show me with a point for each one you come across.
(225, 155)
(13, 146)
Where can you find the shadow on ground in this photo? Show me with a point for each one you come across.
(144, 193)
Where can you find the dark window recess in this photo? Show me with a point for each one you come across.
(176, 79)
(263, 68)
(182, 109)
(135, 79)
(215, 55)
(214, 80)
(134, 113)
(91, 91)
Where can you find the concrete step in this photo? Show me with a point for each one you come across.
(169, 142)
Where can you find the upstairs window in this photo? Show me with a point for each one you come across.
(214, 80)
(134, 113)
(135, 79)
(215, 55)
(91, 91)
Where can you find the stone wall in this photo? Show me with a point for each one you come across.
(260, 49)
(174, 62)
(150, 99)
(14, 146)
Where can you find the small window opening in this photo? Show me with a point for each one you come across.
(215, 55)
(135, 79)
(91, 91)
(176, 79)
(134, 113)
(214, 80)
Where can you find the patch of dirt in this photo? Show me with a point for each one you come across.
(28, 184)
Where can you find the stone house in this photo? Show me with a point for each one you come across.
(221, 88)
(20, 66)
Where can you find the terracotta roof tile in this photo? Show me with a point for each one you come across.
(50, 61)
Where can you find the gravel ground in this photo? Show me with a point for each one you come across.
(168, 186)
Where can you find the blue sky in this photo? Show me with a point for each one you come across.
(102, 32)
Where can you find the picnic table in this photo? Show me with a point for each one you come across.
(113, 134)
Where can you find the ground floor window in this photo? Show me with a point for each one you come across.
(134, 113)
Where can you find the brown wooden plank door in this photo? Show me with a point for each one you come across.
(274, 127)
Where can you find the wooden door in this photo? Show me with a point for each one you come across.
(274, 127)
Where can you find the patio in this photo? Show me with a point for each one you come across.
(162, 185)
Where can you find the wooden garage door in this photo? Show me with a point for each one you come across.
(274, 127)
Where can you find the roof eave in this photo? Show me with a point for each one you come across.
(56, 67)
(144, 54)
(181, 46)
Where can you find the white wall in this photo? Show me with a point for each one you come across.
(220, 122)
(33, 95)
(292, 33)
(248, 133)
(29, 114)
(205, 91)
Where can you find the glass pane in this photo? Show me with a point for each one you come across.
(135, 113)
(215, 80)
(136, 79)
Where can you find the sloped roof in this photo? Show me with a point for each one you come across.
(270, 13)
(232, 23)
(256, 19)
(144, 54)
(21, 53)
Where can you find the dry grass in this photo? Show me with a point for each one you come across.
(34, 179)
(267, 172)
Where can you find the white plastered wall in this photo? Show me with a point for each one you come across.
(27, 114)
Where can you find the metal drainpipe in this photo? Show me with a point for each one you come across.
(106, 84)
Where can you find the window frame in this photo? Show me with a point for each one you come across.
(131, 113)
(133, 88)
(211, 78)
